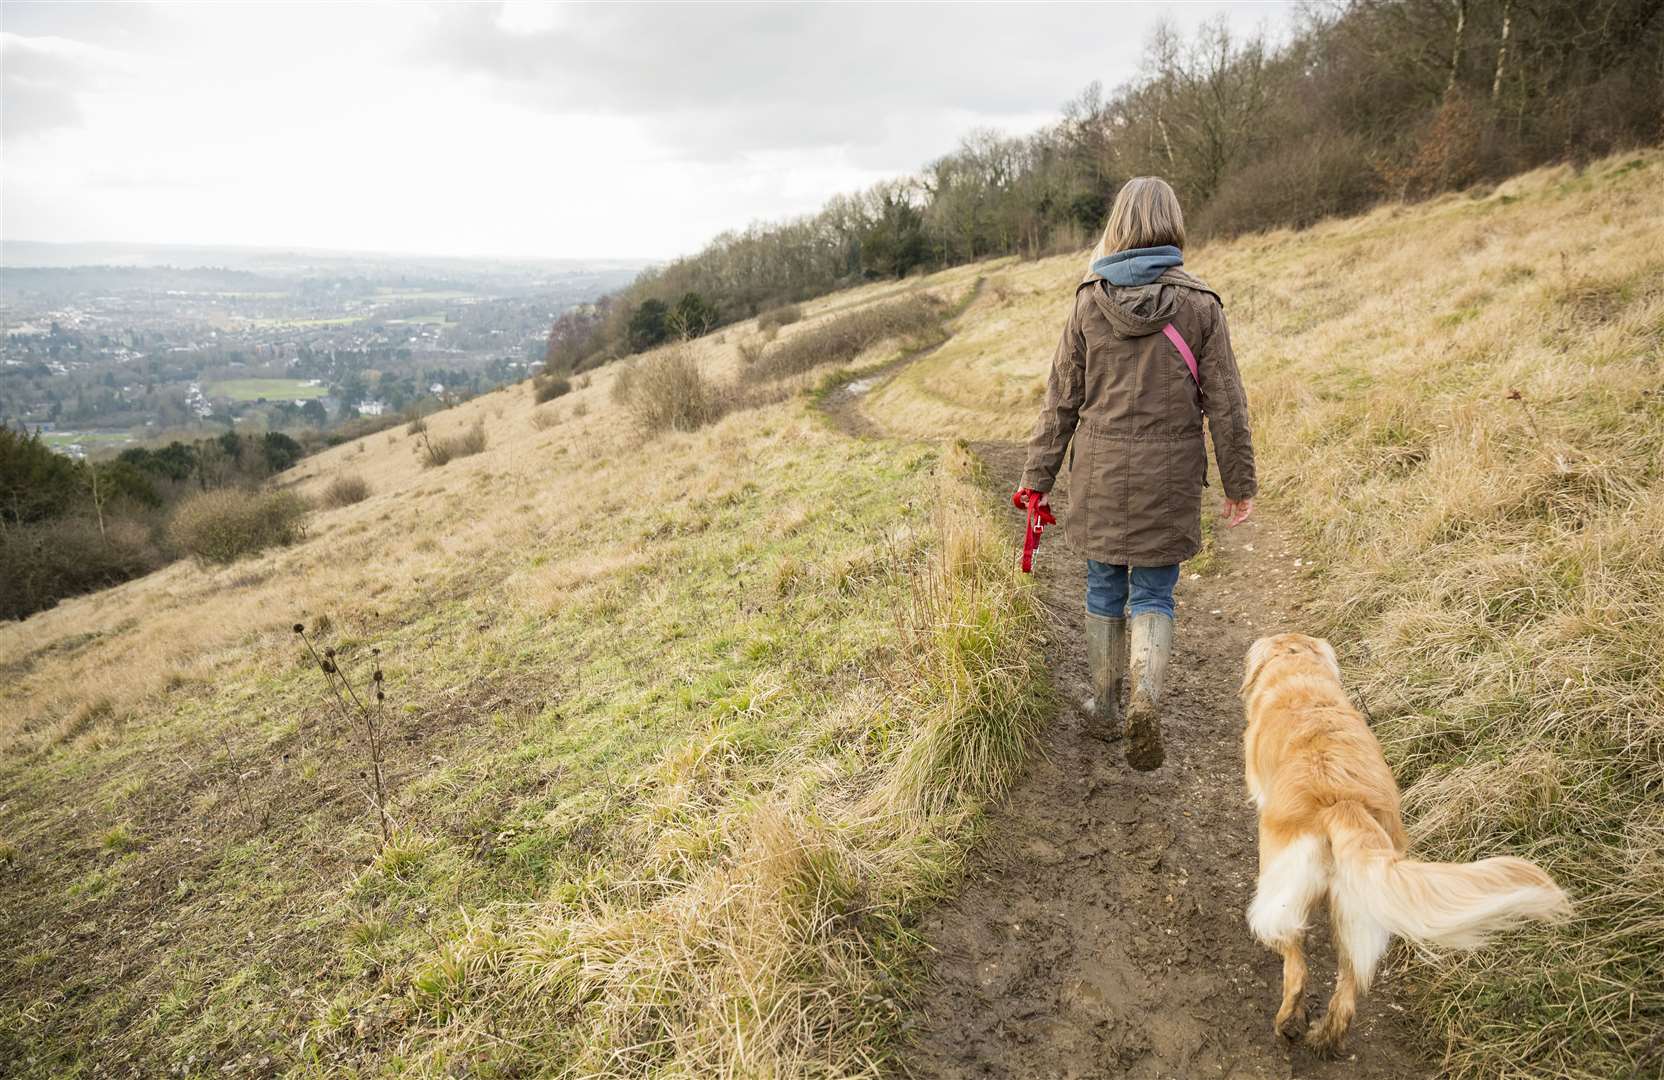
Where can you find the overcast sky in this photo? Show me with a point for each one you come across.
(515, 129)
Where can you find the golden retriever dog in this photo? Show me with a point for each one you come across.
(1329, 824)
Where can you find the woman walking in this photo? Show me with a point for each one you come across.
(1144, 357)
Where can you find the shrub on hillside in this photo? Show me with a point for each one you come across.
(344, 490)
(1450, 150)
(44, 562)
(1324, 177)
(549, 387)
(470, 442)
(846, 336)
(224, 525)
(437, 452)
(784, 315)
(669, 392)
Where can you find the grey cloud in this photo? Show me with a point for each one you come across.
(38, 89)
(114, 25)
(52, 54)
(713, 81)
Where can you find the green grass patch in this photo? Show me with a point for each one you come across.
(86, 438)
(271, 389)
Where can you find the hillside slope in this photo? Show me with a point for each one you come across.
(688, 733)
(682, 732)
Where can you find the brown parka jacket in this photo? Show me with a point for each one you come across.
(1121, 390)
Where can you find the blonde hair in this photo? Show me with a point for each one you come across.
(1146, 214)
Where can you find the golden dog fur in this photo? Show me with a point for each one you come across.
(1329, 824)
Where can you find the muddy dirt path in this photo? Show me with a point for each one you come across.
(1101, 930)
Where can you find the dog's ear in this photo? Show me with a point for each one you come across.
(1259, 654)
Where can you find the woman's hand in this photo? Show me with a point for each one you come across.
(1236, 511)
(1019, 499)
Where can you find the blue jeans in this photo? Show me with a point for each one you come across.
(1107, 589)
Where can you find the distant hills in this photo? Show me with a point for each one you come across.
(17, 254)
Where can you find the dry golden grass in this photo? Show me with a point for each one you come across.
(1489, 564)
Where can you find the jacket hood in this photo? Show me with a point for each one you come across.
(1138, 266)
(1144, 309)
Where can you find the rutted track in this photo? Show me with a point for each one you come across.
(1101, 932)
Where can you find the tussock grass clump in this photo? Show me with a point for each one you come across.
(544, 419)
(438, 452)
(843, 337)
(667, 391)
(775, 318)
(120, 838)
(546, 388)
(976, 681)
(344, 490)
(226, 524)
(471, 441)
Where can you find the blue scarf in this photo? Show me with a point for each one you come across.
(1137, 266)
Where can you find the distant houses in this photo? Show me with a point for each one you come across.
(372, 408)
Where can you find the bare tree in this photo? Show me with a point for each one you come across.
(1502, 49)
(99, 489)
(1456, 45)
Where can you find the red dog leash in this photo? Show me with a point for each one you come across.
(1039, 516)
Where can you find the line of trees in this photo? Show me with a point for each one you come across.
(68, 526)
(1368, 99)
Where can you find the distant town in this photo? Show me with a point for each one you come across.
(103, 347)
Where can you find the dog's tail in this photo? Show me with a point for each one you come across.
(1444, 905)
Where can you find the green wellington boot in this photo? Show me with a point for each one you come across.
(1152, 644)
(1106, 657)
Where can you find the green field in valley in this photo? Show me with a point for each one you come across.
(255, 389)
(86, 438)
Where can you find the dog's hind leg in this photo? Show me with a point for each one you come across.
(1293, 874)
(1360, 943)
(1328, 1035)
(1290, 1022)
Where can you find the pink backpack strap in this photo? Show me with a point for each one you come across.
(1179, 343)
